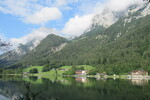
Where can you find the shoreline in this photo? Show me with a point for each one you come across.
(83, 76)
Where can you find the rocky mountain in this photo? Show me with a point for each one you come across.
(22, 49)
(48, 46)
(121, 44)
(15, 55)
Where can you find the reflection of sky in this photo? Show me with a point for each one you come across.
(3, 98)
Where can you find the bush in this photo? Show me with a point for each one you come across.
(93, 72)
(33, 70)
(70, 72)
(45, 69)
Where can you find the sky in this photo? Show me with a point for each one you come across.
(21, 20)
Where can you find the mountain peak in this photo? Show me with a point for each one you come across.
(108, 17)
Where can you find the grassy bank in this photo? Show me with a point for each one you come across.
(39, 68)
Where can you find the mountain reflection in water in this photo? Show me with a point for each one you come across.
(4, 98)
(66, 88)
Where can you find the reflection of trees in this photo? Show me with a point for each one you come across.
(29, 94)
(33, 78)
(92, 90)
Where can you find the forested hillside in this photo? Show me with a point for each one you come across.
(48, 46)
(121, 47)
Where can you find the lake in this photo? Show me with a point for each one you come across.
(67, 88)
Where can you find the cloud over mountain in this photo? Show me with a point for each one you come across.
(76, 14)
(77, 25)
(35, 35)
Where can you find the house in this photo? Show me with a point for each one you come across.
(80, 72)
(138, 74)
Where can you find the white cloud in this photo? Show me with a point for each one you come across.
(42, 11)
(77, 25)
(60, 2)
(36, 35)
(96, 6)
(44, 15)
(117, 5)
(14, 7)
(27, 9)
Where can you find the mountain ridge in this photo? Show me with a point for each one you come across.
(123, 45)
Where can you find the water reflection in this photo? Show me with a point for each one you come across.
(3, 98)
(101, 78)
(67, 88)
(140, 82)
(33, 78)
(81, 79)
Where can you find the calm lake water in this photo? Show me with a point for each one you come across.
(58, 88)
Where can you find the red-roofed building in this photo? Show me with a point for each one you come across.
(81, 72)
(139, 72)
(136, 74)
